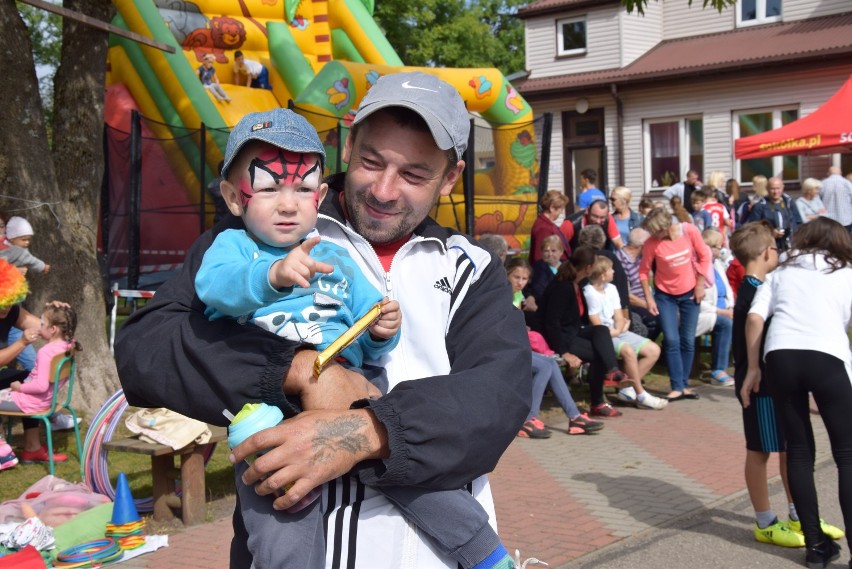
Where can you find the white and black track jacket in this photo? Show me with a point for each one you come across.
(460, 375)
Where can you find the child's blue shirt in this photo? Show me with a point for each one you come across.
(233, 281)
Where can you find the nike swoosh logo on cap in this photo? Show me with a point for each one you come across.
(407, 86)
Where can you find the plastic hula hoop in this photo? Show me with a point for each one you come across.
(101, 430)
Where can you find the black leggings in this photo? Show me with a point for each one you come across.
(7, 376)
(792, 374)
(593, 344)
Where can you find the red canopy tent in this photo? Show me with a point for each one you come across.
(825, 131)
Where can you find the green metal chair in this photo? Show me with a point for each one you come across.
(63, 370)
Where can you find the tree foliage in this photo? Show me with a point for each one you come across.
(639, 5)
(474, 33)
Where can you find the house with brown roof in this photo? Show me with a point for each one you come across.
(644, 98)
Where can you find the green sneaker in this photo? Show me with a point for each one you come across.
(831, 531)
(778, 533)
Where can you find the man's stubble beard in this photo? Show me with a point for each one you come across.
(372, 230)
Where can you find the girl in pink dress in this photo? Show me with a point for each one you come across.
(58, 324)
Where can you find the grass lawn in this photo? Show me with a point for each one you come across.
(220, 481)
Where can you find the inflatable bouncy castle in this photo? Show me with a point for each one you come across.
(321, 57)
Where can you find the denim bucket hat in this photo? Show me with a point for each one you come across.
(436, 101)
(279, 127)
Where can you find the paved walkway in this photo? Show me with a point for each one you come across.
(639, 484)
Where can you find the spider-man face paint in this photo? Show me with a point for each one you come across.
(280, 193)
(277, 168)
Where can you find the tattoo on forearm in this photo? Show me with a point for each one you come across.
(339, 435)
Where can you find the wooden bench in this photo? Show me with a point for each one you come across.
(191, 502)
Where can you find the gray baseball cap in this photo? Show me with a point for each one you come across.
(436, 101)
(279, 127)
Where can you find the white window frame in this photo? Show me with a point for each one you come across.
(777, 161)
(761, 15)
(568, 52)
(683, 147)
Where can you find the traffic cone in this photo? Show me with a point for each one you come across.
(124, 508)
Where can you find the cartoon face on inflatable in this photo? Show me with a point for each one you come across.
(227, 33)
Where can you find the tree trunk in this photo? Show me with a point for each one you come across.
(64, 184)
(25, 166)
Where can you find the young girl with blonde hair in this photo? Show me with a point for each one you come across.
(58, 325)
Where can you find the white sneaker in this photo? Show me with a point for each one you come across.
(62, 422)
(627, 395)
(652, 402)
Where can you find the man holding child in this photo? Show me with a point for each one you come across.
(459, 378)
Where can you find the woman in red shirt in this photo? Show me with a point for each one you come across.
(679, 258)
(548, 223)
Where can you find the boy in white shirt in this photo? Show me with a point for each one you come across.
(256, 74)
(638, 353)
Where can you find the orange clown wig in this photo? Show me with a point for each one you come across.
(13, 285)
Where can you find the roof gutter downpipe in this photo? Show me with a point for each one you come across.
(619, 114)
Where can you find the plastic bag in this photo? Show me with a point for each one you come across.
(54, 500)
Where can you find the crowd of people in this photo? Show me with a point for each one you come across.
(702, 262)
(673, 276)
